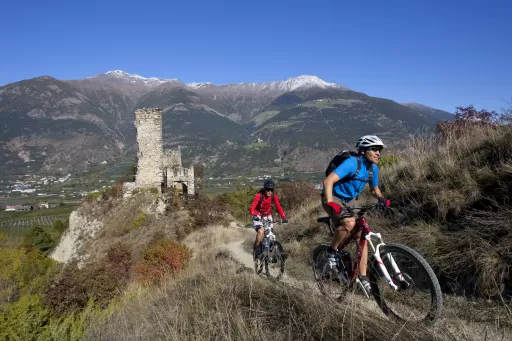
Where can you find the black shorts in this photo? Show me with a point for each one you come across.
(336, 218)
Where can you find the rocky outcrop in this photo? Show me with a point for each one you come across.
(81, 229)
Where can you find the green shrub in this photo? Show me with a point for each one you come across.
(388, 160)
(238, 202)
(23, 320)
(39, 238)
(59, 226)
(22, 271)
(134, 224)
(28, 320)
(114, 191)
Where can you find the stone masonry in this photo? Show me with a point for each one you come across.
(178, 177)
(148, 123)
(156, 167)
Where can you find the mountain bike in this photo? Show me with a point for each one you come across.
(387, 271)
(273, 255)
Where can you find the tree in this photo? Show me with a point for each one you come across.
(470, 114)
(466, 118)
(506, 116)
(38, 238)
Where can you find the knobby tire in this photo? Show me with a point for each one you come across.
(435, 289)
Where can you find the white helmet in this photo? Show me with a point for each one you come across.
(369, 141)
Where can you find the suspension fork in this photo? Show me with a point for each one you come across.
(366, 237)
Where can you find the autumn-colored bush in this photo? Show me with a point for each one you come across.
(74, 288)
(295, 194)
(206, 211)
(466, 119)
(162, 257)
(118, 262)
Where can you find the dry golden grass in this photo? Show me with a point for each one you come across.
(453, 196)
(221, 300)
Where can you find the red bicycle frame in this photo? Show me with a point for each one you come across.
(363, 227)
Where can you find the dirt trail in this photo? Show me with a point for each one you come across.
(237, 250)
(309, 287)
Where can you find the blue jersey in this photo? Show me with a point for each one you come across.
(348, 190)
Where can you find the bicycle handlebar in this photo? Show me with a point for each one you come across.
(363, 208)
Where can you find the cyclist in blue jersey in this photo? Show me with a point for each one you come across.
(338, 191)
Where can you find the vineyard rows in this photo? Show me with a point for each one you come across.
(42, 221)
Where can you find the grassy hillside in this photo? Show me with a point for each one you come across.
(453, 195)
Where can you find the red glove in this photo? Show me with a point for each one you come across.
(334, 206)
(384, 202)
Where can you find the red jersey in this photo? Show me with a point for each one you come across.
(265, 208)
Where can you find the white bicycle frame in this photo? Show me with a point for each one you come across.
(268, 232)
(376, 254)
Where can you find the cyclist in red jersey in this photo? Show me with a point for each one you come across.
(262, 207)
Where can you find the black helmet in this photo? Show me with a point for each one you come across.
(268, 184)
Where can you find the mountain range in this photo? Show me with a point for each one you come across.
(58, 126)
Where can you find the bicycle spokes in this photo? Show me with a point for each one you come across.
(407, 288)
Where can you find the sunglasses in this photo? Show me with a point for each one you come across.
(269, 189)
(375, 149)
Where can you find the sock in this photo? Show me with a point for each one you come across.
(331, 250)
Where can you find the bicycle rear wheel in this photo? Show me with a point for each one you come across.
(332, 282)
(418, 298)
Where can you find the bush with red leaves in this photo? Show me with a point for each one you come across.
(162, 257)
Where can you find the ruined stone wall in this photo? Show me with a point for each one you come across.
(176, 175)
(172, 158)
(148, 123)
(191, 181)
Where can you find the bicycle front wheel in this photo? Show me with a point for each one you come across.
(274, 262)
(418, 298)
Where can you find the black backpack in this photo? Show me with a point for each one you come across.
(261, 197)
(340, 157)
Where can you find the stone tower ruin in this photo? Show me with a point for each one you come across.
(148, 124)
(156, 167)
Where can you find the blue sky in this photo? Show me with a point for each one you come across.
(438, 53)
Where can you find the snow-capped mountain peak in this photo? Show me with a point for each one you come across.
(275, 87)
(199, 85)
(290, 84)
(304, 81)
(135, 79)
